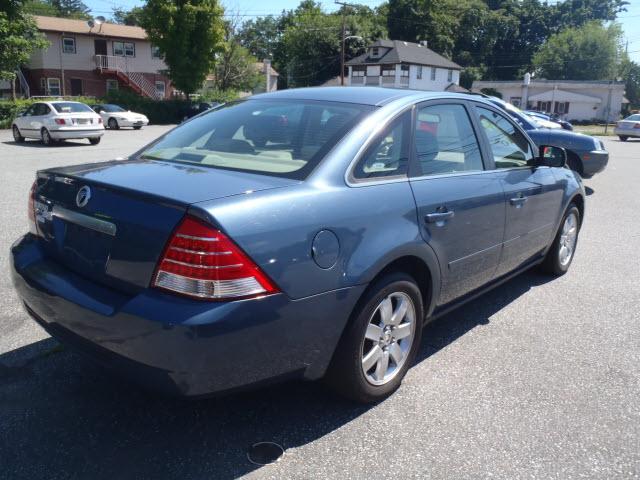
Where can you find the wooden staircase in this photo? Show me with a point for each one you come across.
(109, 64)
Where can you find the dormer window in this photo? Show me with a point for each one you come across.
(375, 51)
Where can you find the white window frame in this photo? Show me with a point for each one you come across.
(419, 72)
(433, 73)
(112, 85)
(388, 71)
(375, 51)
(449, 75)
(124, 49)
(358, 73)
(50, 87)
(404, 70)
(155, 52)
(162, 90)
(72, 45)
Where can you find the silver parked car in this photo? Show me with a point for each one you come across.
(628, 128)
(51, 122)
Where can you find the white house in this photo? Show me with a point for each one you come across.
(572, 99)
(91, 60)
(394, 63)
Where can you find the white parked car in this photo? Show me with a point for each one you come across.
(51, 122)
(628, 128)
(114, 116)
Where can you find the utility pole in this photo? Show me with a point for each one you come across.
(342, 40)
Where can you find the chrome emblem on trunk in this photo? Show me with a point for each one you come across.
(83, 196)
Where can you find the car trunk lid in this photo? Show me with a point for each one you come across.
(111, 221)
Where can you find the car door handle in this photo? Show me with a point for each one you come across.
(518, 201)
(439, 216)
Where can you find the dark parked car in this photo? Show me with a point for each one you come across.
(585, 154)
(199, 107)
(550, 118)
(207, 261)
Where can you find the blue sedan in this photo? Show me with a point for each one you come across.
(305, 233)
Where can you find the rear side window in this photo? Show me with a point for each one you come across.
(445, 141)
(388, 156)
(71, 107)
(509, 146)
(285, 138)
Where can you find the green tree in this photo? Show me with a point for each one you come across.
(71, 8)
(40, 7)
(19, 38)
(127, 17)
(261, 36)
(584, 53)
(629, 71)
(189, 34)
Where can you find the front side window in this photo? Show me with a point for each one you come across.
(68, 45)
(509, 146)
(284, 138)
(445, 141)
(388, 156)
(53, 86)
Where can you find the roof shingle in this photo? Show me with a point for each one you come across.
(69, 25)
(404, 52)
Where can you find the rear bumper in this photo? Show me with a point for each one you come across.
(76, 133)
(179, 345)
(594, 162)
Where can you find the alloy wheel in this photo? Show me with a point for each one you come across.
(46, 138)
(568, 238)
(16, 134)
(388, 338)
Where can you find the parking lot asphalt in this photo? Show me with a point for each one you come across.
(537, 379)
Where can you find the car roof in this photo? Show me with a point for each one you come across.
(376, 96)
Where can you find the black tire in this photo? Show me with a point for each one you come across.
(574, 163)
(113, 124)
(94, 141)
(552, 263)
(45, 137)
(17, 136)
(623, 138)
(345, 374)
(137, 127)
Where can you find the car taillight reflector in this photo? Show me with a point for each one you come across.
(31, 209)
(100, 120)
(637, 125)
(202, 262)
(61, 121)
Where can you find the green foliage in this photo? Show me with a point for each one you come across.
(492, 92)
(583, 53)
(188, 33)
(19, 37)
(261, 36)
(235, 69)
(127, 17)
(221, 96)
(71, 8)
(40, 7)
(630, 73)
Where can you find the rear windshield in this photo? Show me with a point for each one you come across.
(71, 107)
(282, 138)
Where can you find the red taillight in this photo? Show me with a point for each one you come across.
(202, 262)
(100, 120)
(33, 227)
(637, 125)
(61, 121)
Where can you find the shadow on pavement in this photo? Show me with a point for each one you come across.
(63, 417)
(38, 144)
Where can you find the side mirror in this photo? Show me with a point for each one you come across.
(551, 156)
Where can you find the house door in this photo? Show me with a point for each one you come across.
(76, 87)
(100, 46)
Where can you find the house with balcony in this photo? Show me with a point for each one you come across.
(398, 64)
(85, 60)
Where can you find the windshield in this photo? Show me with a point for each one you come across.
(274, 137)
(113, 108)
(634, 118)
(71, 107)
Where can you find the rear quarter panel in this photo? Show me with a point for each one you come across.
(374, 225)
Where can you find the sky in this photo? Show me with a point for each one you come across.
(630, 19)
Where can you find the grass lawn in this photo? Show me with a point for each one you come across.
(594, 129)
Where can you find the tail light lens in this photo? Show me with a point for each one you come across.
(637, 125)
(61, 121)
(31, 209)
(100, 120)
(202, 262)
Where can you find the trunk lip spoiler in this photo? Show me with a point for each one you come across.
(86, 221)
